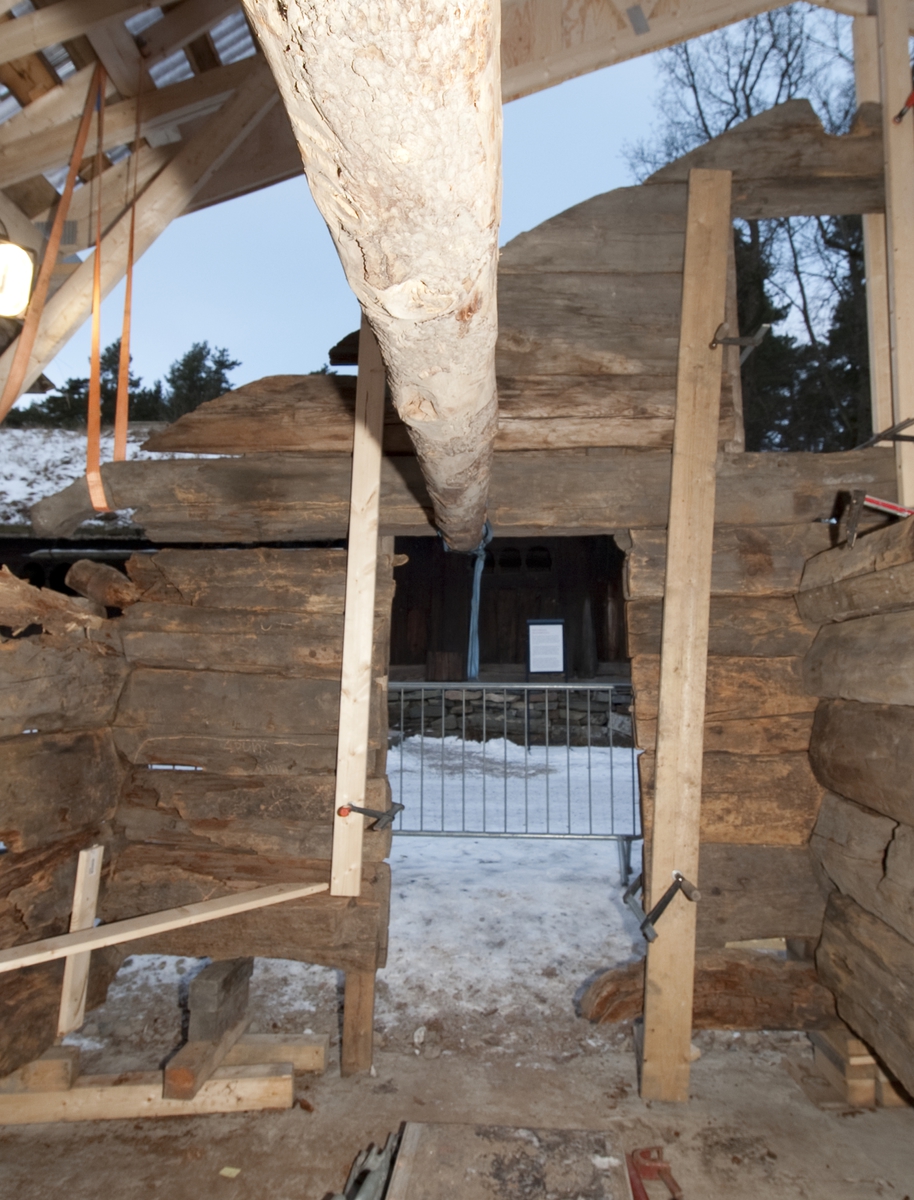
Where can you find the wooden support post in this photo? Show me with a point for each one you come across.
(76, 968)
(866, 75)
(684, 647)
(898, 146)
(357, 1046)
(358, 621)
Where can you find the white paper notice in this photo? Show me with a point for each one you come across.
(547, 647)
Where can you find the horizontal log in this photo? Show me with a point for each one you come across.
(750, 892)
(751, 735)
(736, 687)
(882, 591)
(224, 704)
(289, 497)
(869, 858)
(866, 752)
(740, 626)
(55, 784)
(289, 816)
(328, 930)
(869, 659)
(238, 755)
(148, 925)
(102, 583)
(733, 990)
(760, 560)
(49, 684)
(315, 414)
(890, 546)
(820, 174)
(305, 645)
(257, 580)
(748, 799)
(870, 969)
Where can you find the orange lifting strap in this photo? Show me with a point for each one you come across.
(26, 340)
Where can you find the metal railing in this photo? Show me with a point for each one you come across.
(522, 760)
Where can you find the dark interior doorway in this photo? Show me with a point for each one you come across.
(577, 578)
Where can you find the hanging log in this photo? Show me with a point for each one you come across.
(397, 113)
(866, 752)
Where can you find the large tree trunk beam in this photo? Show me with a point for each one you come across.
(397, 114)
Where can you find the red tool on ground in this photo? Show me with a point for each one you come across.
(649, 1163)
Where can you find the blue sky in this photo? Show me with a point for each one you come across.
(260, 276)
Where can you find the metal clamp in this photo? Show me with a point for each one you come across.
(383, 820)
(860, 500)
(720, 339)
(647, 921)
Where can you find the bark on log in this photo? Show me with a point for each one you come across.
(22, 605)
(748, 799)
(870, 969)
(398, 118)
(869, 858)
(735, 990)
(869, 659)
(866, 752)
(740, 626)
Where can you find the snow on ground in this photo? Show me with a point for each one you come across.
(490, 941)
(36, 462)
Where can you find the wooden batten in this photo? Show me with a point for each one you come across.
(684, 645)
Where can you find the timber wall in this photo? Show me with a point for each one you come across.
(861, 665)
(194, 734)
(761, 798)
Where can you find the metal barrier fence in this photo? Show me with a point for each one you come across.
(514, 760)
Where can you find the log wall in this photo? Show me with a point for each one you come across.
(195, 736)
(860, 665)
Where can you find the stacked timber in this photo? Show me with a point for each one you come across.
(861, 664)
(185, 716)
(60, 777)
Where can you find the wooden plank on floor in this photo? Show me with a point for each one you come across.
(684, 648)
(358, 618)
(139, 1094)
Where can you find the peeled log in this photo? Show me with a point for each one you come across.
(397, 114)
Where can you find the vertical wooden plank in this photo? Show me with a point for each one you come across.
(357, 1046)
(684, 645)
(866, 76)
(358, 623)
(898, 146)
(76, 968)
